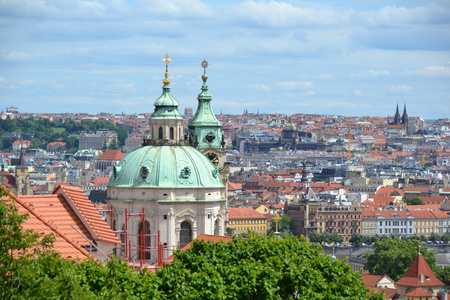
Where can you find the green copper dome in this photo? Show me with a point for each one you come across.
(165, 167)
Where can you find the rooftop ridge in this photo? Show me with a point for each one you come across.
(30, 208)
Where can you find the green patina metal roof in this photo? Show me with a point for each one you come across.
(204, 115)
(166, 167)
(166, 106)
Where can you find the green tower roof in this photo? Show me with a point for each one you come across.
(204, 115)
(166, 106)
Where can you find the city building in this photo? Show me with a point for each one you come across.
(244, 220)
(97, 140)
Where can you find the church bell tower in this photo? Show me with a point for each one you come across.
(205, 131)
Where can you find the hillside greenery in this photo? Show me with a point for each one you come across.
(43, 131)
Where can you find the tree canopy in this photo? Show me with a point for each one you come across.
(285, 225)
(43, 131)
(259, 267)
(414, 201)
(393, 257)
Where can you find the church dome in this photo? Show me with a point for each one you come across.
(165, 167)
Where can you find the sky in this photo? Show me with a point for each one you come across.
(346, 57)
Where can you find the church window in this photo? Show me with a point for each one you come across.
(160, 133)
(144, 239)
(185, 234)
(171, 133)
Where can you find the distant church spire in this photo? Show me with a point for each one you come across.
(404, 116)
(397, 118)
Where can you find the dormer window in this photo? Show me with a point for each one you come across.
(421, 278)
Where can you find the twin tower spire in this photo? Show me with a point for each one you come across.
(166, 122)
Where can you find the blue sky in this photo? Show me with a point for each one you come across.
(354, 58)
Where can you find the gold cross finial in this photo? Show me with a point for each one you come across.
(167, 61)
(277, 219)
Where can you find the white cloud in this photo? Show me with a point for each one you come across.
(400, 89)
(370, 73)
(325, 76)
(2, 78)
(28, 82)
(260, 86)
(432, 71)
(358, 93)
(16, 56)
(294, 84)
(178, 8)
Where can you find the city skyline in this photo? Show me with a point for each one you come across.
(326, 58)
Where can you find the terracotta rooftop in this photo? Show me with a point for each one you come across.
(419, 292)
(64, 244)
(111, 155)
(419, 274)
(100, 180)
(91, 217)
(244, 213)
(57, 210)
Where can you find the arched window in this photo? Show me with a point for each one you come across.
(171, 133)
(185, 234)
(160, 133)
(144, 239)
(216, 227)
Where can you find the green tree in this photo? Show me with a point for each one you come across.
(16, 244)
(413, 201)
(357, 238)
(393, 256)
(259, 267)
(285, 225)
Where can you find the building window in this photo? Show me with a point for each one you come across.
(160, 133)
(171, 133)
(144, 241)
(185, 234)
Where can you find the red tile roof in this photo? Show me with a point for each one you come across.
(111, 155)
(419, 292)
(8, 179)
(57, 210)
(91, 218)
(371, 280)
(419, 274)
(63, 243)
(244, 213)
(100, 180)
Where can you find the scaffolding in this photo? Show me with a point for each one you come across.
(148, 251)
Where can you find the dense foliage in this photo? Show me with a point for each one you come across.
(285, 225)
(325, 237)
(393, 256)
(43, 131)
(259, 267)
(413, 201)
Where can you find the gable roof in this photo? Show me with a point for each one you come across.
(244, 213)
(91, 218)
(111, 155)
(419, 274)
(63, 243)
(58, 212)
